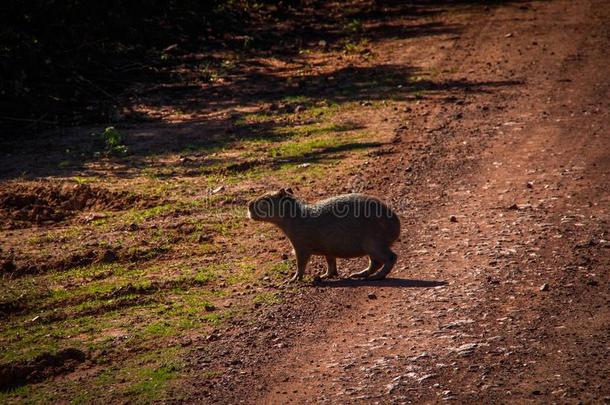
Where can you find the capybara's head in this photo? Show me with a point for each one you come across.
(273, 207)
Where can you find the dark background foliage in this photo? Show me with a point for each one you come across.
(68, 60)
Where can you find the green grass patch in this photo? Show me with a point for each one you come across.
(160, 328)
(206, 275)
(279, 270)
(211, 374)
(152, 382)
(267, 298)
(244, 273)
(138, 216)
(213, 318)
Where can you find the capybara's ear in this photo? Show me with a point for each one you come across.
(289, 191)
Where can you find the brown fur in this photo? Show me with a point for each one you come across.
(345, 226)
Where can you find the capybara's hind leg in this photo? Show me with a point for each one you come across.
(374, 264)
(331, 271)
(387, 267)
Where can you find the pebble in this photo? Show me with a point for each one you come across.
(372, 296)
(218, 189)
(426, 377)
(544, 287)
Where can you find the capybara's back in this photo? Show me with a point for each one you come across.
(349, 225)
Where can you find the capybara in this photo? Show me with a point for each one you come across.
(345, 226)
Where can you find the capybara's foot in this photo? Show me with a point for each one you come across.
(377, 276)
(360, 274)
(294, 279)
(385, 270)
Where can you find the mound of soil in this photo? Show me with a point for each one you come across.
(46, 365)
(22, 205)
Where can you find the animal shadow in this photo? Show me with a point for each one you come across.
(387, 282)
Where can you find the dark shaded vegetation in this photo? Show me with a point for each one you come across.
(67, 62)
(202, 137)
(75, 62)
(84, 63)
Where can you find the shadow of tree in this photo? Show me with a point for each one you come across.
(216, 110)
(44, 156)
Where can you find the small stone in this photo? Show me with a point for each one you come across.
(203, 238)
(453, 218)
(426, 377)
(392, 386)
(372, 296)
(466, 349)
(544, 287)
(94, 216)
(218, 189)
(298, 109)
(529, 184)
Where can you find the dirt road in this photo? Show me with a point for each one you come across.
(502, 289)
(130, 273)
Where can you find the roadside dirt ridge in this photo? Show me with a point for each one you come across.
(507, 301)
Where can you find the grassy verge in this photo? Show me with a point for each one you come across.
(182, 267)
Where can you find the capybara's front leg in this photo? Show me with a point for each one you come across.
(302, 260)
